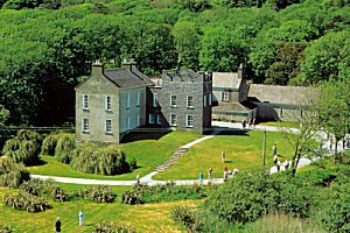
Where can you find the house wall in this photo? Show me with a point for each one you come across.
(97, 88)
(133, 110)
(281, 113)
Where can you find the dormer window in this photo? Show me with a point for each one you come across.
(85, 102)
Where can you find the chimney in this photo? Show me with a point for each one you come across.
(130, 64)
(97, 68)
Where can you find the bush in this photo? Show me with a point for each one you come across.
(64, 148)
(33, 186)
(24, 147)
(100, 194)
(6, 229)
(132, 198)
(110, 160)
(187, 218)
(25, 201)
(49, 144)
(104, 227)
(11, 174)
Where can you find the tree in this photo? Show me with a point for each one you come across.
(334, 109)
(4, 115)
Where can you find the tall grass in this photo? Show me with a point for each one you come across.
(64, 148)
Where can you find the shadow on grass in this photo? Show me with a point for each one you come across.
(37, 163)
(139, 136)
(229, 131)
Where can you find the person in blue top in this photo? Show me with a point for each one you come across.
(201, 177)
(81, 218)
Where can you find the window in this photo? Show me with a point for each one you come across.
(138, 120)
(173, 100)
(151, 118)
(138, 96)
(155, 99)
(108, 127)
(225, 96)
(128, 122)
(189, 121)
(210, 99)
(159, 119)
(85, 102)
(108, 103)
(190, 101)
(172, 119)
(86, 126)
(204, 101)
(128, 101)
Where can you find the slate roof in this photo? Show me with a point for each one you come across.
(283, 95)
(126, 78)
(230, 108)
(228, 80)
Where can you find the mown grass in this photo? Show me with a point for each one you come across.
(148, 153)
(145, 218)
(286, 124)
(243, 152)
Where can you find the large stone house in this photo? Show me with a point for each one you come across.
(181, 99)
(112, 103)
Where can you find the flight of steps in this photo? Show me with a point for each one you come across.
(177, 154)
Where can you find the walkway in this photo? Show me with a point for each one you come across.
(304, 161)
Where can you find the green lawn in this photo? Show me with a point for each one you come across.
(148, 153)
(243, 152)
(145, 218)
(280, 124)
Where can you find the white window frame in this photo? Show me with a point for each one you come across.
(189, 99)
(108, 103)
(210, 99)
(128, 101)
(189, 122)
(173, 101)
(151, 118)
(225, 96)
(138, 99)
(204, 100)
(155, 100)
(138, 120)
(159, 119)
(108, 130)
(173, 119)
(85, 125)
(85, 102)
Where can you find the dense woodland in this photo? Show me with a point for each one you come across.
(45, 44)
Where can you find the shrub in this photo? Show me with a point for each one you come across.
(98, 194)
(187, 218)
(6, 229)
(88, 158)
(65, 146)
(11, 174)
(104, 227)
(49, 145)
(58, 194)
(33, 186)
(24, 148)
(25, 201)
(132, 198)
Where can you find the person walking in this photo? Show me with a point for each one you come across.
(210, 170)
(278, 165)
(223, 156)
(244, 122)
(138, 178)
(274, 149)
(58, 225)
(286, 164)
(225, 173)
(201, 178)
(275, 159)
(253, 124)
(81, 218)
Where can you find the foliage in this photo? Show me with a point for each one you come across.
(11, 174)
(25, 201)
(99, 194)
(104, 227)
(109, 160)
(33, 186)
(4, 115)
(6, 229)
(187, 218)
(64, 148)
(132, 198)
(49, 144)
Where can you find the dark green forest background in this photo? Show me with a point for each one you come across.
(45, 44)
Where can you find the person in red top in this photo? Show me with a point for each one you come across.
(225, 173)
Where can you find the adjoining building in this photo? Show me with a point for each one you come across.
(112, 103)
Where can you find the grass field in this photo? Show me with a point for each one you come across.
(243, 152)
(144, 218)
(148, 153)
